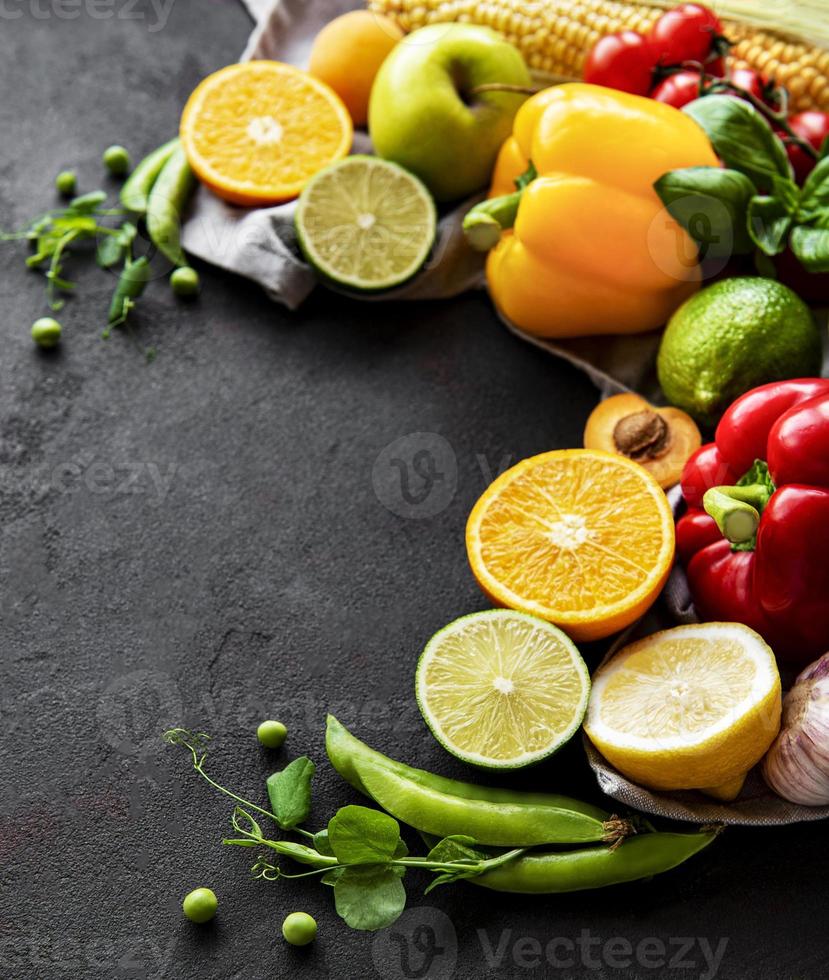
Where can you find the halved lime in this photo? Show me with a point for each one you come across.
(502, 689)
(366, 223)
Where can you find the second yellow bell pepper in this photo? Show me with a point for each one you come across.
(592, 250)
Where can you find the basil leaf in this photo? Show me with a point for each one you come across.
(811, 248)
(369, 898)
(109, 251)
(741, 137)
(290, 792)
(764, 266)
(788, 192)
(358, 835)
(769, 222)
(711, 205)
(814, 198)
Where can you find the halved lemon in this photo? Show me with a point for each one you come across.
(501, 689)
(693, 707)
(255, 133)
(581, 537)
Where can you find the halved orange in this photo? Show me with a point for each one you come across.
(256, 132)
(582, 538)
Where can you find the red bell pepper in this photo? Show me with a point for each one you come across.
(755, 538)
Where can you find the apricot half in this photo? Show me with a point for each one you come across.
(660, 439)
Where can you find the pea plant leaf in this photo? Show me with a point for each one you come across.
(370, 897)
(453, 849)
(769, 221)
(86, 203)
(289, 792)
(358, 835)
(711, 204)
(741, 137)
(110, 251)
(457, 847)
(322, 844)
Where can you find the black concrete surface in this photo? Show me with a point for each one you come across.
(204, 540)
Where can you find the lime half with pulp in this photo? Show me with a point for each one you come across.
(366, 223)
(502, 689)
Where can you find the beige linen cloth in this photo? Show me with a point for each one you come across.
(260, 244)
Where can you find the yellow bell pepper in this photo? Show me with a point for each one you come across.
(592, 250)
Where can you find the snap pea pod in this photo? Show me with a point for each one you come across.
(135, 193)
(440, 806)
(131, 284)
(595, 867)
(167, 201)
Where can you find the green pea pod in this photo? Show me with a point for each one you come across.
(168, 198)
(135, 193)
(440, 806)
(130, 286)
(595, 867)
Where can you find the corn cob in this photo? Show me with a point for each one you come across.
(555, 35)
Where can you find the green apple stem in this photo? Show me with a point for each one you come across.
(503, 87)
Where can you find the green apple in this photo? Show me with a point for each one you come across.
(425, 114)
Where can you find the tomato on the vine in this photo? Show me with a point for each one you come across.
(754, 83)
(622, 61)
(687, 33)
(813, 127)
(679, 89)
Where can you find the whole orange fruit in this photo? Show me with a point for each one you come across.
(347, 54)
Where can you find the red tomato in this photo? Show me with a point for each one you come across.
(752, 81)
(814, 128)
(622, 61)
(679, 89)
(685, 33)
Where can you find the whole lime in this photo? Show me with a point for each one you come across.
(732, 336)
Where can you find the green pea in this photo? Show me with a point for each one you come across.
(595, 867)
(299, 929)
(46, 331)
(66, 182)
(200, 905)
(271, 734)
(117, 160)
(185, 281)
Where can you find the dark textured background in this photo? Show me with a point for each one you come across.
(200, 540)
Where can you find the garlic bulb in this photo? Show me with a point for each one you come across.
(797, 764)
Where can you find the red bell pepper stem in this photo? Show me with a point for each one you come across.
(737, 509)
